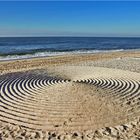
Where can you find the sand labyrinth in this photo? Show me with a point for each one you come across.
(44, 102)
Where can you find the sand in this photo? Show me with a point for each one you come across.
(94, 96)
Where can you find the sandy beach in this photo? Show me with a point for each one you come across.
(79, 97)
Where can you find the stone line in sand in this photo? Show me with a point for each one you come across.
(39, 101)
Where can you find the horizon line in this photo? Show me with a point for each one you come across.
(70, 36)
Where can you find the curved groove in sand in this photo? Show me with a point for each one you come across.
(24, 100)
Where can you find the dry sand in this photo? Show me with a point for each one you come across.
(77, 97)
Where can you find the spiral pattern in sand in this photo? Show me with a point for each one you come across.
(31, 101)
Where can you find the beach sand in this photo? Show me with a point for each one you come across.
(79, 97)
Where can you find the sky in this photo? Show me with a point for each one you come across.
(70, 18)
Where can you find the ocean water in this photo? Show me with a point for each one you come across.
(28, 47)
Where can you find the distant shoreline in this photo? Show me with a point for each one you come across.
(50, 54)
(35, 47)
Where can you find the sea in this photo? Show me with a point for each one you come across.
(12, 48)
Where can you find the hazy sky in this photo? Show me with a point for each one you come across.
(69, 18)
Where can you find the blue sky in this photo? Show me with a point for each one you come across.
(70, 18)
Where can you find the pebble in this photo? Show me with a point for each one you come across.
(130, 131)
(114, 132)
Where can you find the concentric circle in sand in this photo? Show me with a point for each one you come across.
(88, 101)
